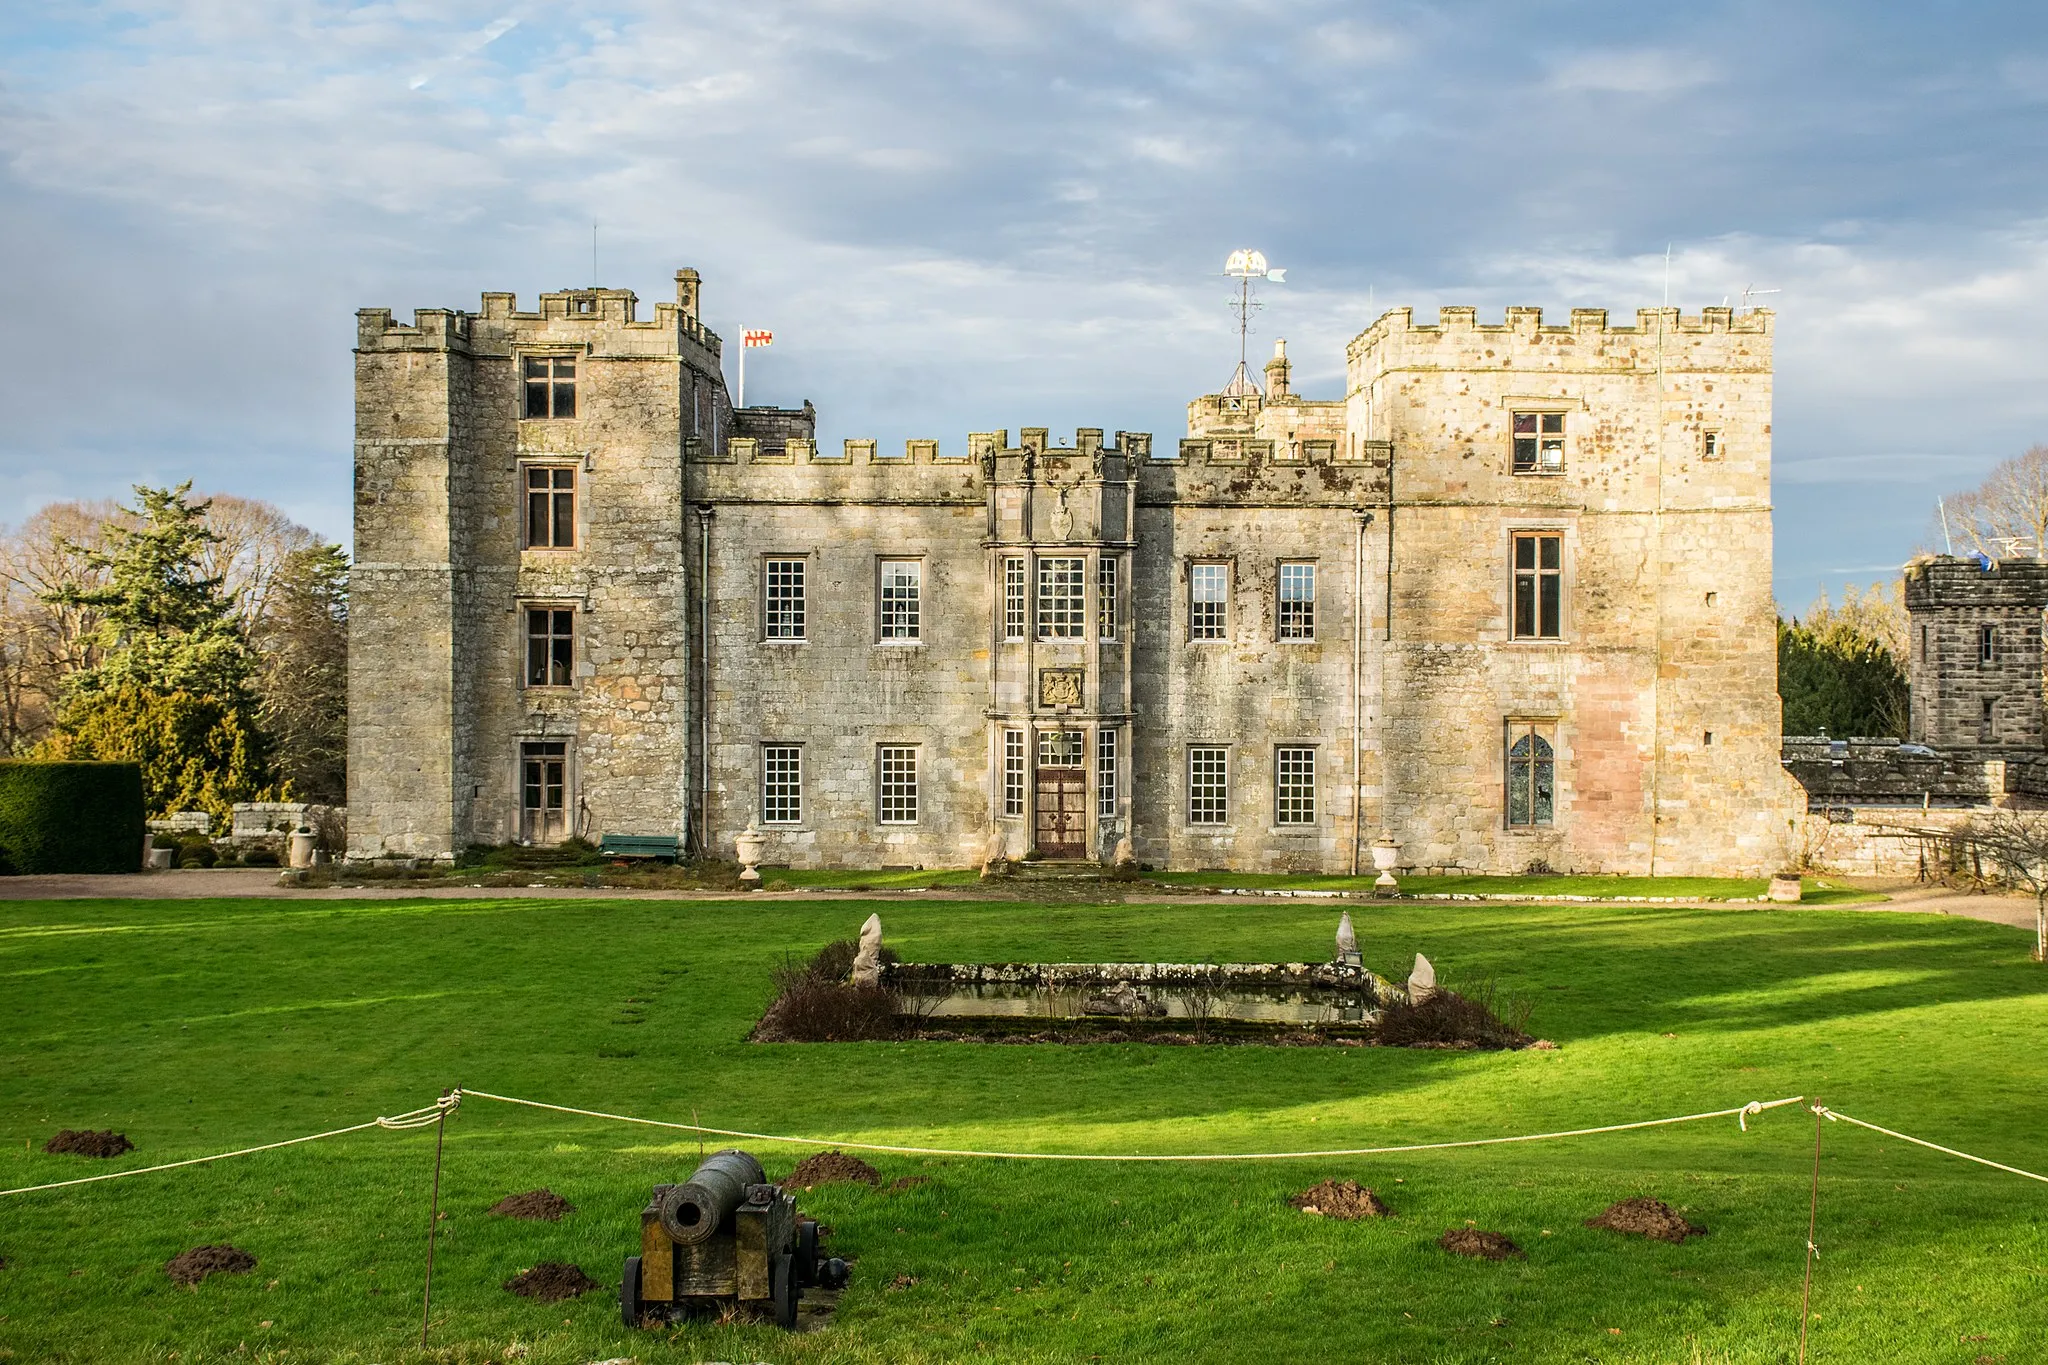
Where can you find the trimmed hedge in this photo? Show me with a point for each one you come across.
(70, 817)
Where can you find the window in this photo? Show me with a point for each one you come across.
(1539, 443)
(782, 784)
(1297, 601)
(1105, 773)
(1294, 786)
(1105, 597)
(550, 507)
(1060, 589)
(550, 384)
(1013, 598)
(902, 590)
(897, 788)
(1985, 722)
(1208, 785)
(543, 791)
(1711, 447)
(1532, 777)
(550, 647)
(1208, 601)
(1059, 748)
(1539, 592)
(782, 590)
(1013, 772)
(1987, 645)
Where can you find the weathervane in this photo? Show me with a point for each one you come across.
(1244, 266)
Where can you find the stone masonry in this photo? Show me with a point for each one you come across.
(1508, 600)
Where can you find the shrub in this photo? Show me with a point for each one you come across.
(1448, 1019)
(262, 855)
(197, 853)
(815, 1003)
(70, 817)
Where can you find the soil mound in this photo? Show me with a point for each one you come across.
(834, 1167)
(1489, 1246)
(1346, 1199)
(543, 1205)
(190, 1267)
(86, 1142)
(551, 1282)
(1647, 1218)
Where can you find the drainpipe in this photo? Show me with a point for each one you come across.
(704, 681)
(1358, 628)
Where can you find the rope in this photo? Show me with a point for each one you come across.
(1824, 1112)
(1740, 1112)
(412, 1118)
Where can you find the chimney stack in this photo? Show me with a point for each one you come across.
(688, 285)
(1276, 373)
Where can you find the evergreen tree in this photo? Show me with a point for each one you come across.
(171, 688)
(1836, 680)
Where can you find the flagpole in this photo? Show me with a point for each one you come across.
(743, 369)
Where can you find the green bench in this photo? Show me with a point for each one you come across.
(665, 847)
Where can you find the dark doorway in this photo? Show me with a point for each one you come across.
(1062, 795)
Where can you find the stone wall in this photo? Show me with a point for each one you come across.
(1973, 652)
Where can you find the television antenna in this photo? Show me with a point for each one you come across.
(1244, 266)
(1750, 291)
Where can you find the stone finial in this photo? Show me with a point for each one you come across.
(1421, 981)
(1347, 941)
(867, 963)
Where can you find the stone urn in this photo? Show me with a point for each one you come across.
(1386, 852)
(1784, 886)
(750, 843)
(300, 852)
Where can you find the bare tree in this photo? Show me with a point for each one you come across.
(2016, 841)
(2007, 514)
(43, 642)
(255, 540)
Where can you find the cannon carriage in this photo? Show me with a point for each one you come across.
(726, 1238)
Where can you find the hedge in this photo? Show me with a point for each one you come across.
(70, 817)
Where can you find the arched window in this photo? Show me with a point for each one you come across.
(1532, 778)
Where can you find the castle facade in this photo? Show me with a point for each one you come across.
(1506, 602)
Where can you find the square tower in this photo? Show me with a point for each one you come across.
(1974, 652)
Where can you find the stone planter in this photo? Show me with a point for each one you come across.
(750, 844)
(1386, 853)
(300, 852)
(1785, 886)
(160, 859)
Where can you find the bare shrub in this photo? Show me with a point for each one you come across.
(814, 1003)
(1449, 1019)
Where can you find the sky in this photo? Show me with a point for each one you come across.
(966, 216)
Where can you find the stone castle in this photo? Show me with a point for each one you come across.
(1507, 602)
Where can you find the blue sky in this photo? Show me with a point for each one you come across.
(961, 216)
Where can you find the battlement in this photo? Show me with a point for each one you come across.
(1456, 321)
(1936, 582)
(760, 439)
(451, 329)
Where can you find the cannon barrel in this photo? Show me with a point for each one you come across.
(693, 1212)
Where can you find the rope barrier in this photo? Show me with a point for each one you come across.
(411, 1119)
(1834, 1117)
(1740, 1112)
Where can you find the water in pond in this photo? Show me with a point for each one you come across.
(1275, 1005)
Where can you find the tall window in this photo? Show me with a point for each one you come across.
(1060, 589)
(550, 507)
(1013, 772)
(1294, 782)
(782, 588)
(896, 785)
(1539, 590)
(1105, 597)
(1532, 776)
(1987, 645)
(782, 784)
(549, 382)
(550, 647)
(1539, 442)
(543, 791)
(1105, 773)
(902, 593)
(1986, 723)
(1208, 785)
(1014, 607)
(1711, 446)
(1208, 601)
(1297, 601)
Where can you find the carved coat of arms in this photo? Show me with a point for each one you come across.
(1059, 687)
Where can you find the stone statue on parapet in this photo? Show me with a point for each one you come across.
(1421, 981)
(867, 962)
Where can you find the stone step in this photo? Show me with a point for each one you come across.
(1047, 870)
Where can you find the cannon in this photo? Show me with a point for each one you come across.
(724, 1239)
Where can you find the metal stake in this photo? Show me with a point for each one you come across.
(433, 1225)
(1812, 1226)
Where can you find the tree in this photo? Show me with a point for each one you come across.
(171, 687)
(2017, 841)
(302, 638)
(2007, 514)
(1839, 671)
(44, 641)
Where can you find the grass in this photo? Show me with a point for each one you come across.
(904, 879)
(200, 1026)
(1818, 890)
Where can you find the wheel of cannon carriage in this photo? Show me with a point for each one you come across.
(782, 1290)
(806, 1252)
(629, 1292)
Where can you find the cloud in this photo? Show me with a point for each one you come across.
(474, 44)
(1647, 72)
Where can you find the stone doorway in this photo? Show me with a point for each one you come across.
(1062, 825)
(543, 792)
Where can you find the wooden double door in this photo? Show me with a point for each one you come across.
(1062, 806)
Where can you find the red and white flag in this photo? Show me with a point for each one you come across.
(754, 336)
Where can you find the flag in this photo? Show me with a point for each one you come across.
(753, 337)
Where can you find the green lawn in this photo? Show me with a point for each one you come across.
(825, 879)
(1818, 890)
(197, 1026)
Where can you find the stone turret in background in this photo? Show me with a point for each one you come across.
(1974, 652)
